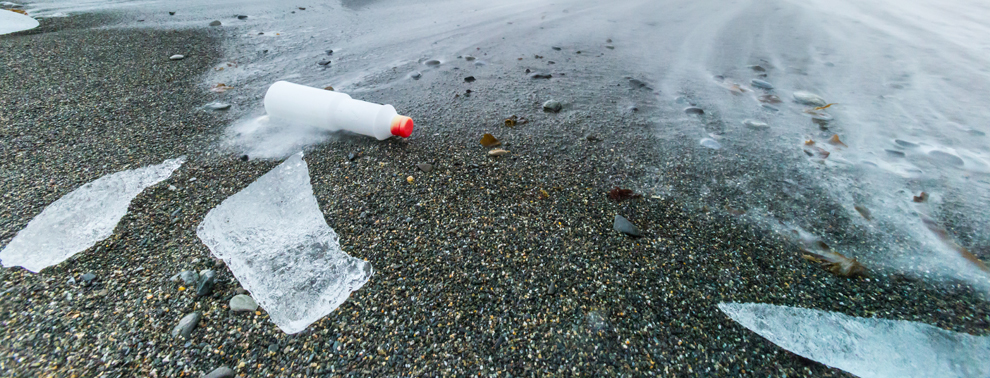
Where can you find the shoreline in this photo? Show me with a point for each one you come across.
(477, 271)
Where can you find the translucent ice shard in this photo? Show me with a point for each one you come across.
(867, 347)
(81, 218)
(274, 239)
(11, 22)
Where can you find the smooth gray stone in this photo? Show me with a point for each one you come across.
(808, 98)
(243, 303)
(189, 277)
(552, 106)
(220, 372)
(624, 226)
(187, 324)
(761, 84)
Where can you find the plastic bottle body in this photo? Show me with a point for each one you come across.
(334, 111)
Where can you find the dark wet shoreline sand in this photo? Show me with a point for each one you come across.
(498, 266)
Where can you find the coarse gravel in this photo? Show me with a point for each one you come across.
(492, 266)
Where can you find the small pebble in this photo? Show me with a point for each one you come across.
(415, 75)
(218, 106)
(425, 167)
(432, 62)
(469, 58)
(215, 23)
(904, 143)
(808, 98)
(243, 303)
(220, 372)
(755, 125)
(540, 75)
(623, 225)
(469, 79)
(694, 110)
(88, 277)
(323, 62)
(242, 17)
(497, 152)
(553, 106)
(761, 84)
(177, 57)
(187, 324)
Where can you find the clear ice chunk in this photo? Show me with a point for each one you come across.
(867, 347)
(11, 22)
(81, 218)
(274, 239)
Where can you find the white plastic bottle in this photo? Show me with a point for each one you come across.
(334, 111)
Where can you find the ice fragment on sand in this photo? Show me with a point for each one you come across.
(867, 347)
(81, 218)
(11, 22)
(274, 239)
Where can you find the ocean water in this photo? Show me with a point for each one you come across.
(905, 85)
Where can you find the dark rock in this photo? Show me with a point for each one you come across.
(242, 17)
(469, 79)
(272, 348)
(171, 13)
(895, 153)
(553, 106)
(88, 277)
(220, 372)
(329, 52)
(555, 48)
(187, 324)
(215, 23)
(415, 75)
(552, 289)
(425, 167)
(432, 62)
(351, 156)
(624, 226)
(758, 68)
(207, 279)
(323, 62)
(694, 110)
(540, 75)
(244, 158)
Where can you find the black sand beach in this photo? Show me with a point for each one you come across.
(489, 266)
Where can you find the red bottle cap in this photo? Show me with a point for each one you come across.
(402, 126)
